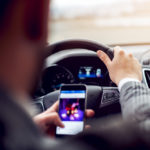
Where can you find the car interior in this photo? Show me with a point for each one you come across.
(69, 62)
(73, 60)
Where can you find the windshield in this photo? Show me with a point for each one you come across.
(104, 21)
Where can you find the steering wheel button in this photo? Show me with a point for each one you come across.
(109, 97)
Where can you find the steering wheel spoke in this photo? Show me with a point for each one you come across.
(97, 97)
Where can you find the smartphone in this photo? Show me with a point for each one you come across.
(72, 104)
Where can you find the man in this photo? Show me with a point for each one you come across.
(23, 34)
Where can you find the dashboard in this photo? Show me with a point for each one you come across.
(74, 67)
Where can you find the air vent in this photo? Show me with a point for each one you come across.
(147, 77)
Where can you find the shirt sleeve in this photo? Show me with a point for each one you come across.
(135, 104)
(124, 81)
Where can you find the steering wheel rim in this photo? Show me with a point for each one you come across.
(100, 95)
(75, 44)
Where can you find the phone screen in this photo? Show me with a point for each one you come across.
(71, 111)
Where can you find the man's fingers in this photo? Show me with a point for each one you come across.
(58, 122)
(104, 57)
(89, 113)
(54, 119)
(118, 51)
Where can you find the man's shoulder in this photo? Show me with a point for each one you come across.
(16, 127)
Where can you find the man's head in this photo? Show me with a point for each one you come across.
(23, 34)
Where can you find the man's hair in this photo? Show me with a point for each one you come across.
(4, 4)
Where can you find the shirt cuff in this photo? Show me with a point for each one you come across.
(124, 81)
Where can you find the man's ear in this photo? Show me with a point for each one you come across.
(36, 19)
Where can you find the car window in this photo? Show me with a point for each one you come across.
(105, 21)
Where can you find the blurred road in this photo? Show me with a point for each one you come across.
(91, 30)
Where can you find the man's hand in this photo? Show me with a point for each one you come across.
(122, 66)
(48, 120)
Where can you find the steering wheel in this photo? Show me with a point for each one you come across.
(98, 97)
